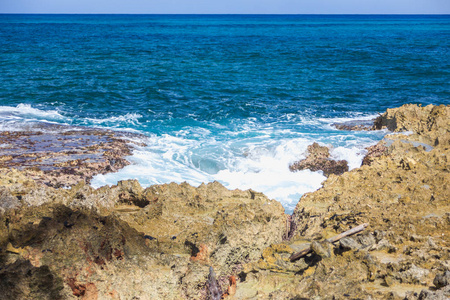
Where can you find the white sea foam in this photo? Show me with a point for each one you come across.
(244, 154)
(259, 164)
(129, 118)
(256, 158)
(355, 117)
(353, 155)
(267, 170)
(165, 159)
(26, 112)
(23, 116)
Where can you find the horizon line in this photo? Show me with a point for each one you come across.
(230, 14)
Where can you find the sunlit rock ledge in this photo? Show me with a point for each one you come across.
(125, 241)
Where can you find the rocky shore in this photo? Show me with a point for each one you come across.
(62, 239)
(61, 156)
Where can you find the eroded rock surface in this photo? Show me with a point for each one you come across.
(373, 152)
(63, 157)
(318, 159)
(404, 195)
(127, 242)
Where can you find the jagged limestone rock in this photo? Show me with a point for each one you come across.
(319, 159)
(158, 243)
(162, 238)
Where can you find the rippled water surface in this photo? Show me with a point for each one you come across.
(228, 98)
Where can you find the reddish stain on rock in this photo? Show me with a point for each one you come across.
(202, 255)
(86, 291)
(118, 254)
(77, 289)
(232, 288)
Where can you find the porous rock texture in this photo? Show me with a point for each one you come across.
(127, 242)
(124, 241)
(318, 158)
(61, 157)
(404, 195)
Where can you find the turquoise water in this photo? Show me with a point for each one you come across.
(227, 98)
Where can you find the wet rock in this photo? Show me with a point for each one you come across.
(61, 156)
(356, 125)
(318, 159)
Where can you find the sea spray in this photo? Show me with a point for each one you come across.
(228, 98)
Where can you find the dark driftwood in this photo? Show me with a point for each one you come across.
(333, 239)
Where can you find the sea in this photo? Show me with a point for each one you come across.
(228, 98)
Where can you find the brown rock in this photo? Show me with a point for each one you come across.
(93, 245)
(318, 160)
(373, 152)
(322, 249)
(158, 243)
(21, 280)
(402, 194)
(63, 157)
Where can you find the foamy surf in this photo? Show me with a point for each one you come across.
(23, 116)
(242, 153)
(259, 164)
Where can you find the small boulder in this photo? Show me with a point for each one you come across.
(318, 159)
(442, 280)
(349, 243)
(323, 249)
(8, 201)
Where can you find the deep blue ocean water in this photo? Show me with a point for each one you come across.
(233, 98)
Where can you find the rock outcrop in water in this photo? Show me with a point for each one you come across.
(127, 242)
(318, 159)
(403, 195)
(61, 157)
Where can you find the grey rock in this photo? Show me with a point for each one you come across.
(435, 295)
(8, 201)
(442, 280)
(323, 249)
(415, 275)
(366, 240)
(349, 243)
(214, 289)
